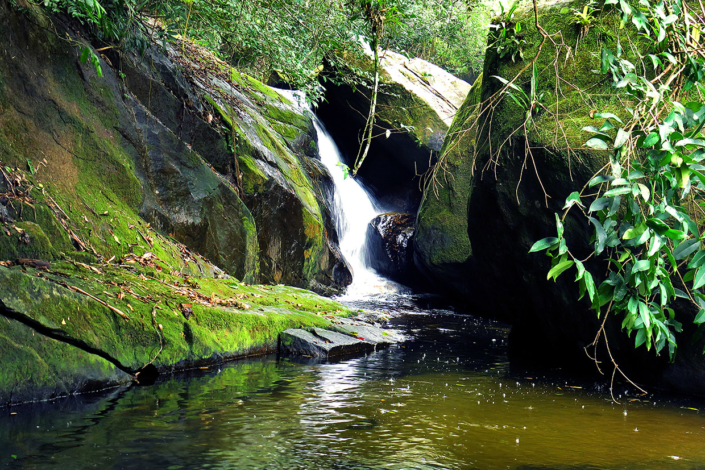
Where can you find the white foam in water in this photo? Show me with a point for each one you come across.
(353, 209)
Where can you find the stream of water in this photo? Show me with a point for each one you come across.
(446, 399)
(353, 208)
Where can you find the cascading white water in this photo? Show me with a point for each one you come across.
(353, 209)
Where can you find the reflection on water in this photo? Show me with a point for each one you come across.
(446, 399)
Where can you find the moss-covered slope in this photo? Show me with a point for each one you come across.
(121, 246)
(79, 326)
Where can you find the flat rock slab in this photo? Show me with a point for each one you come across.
(366, 332)
(344, 337)
(319, 343)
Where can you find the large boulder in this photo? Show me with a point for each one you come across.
(259, 141)
(506, 199)
(111, 173)
(417, 102)
(442, 248)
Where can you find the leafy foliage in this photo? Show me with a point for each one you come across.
(647, 211)
(448, 33)
(292, 40)
(507, 41)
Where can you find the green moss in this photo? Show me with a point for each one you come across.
(39, 368)
(33, 243)
(402, 109)
(575, 74)
(213, 329)
(442, 223)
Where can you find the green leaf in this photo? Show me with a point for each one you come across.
(559, 268)
(608, 116)
(573, 199)
(690, 143)
(618, 191)
(622, 138)
(84, 54)
(641, 265)
(686, 248)
(651, 140)
(634, 232)
(680, 294)
(31, 167)
(601, 235)
(581, 270)
(656, 243)
(597, 144)
(559, 226)
(645, 314)
(699, 279)
(640, 338)
(599, 204)
(544, 244)
(700, 317)
(590, 285)
(600, 179)
(698, 260)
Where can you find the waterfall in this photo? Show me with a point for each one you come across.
(353, 209)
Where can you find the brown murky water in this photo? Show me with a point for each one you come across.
(446, 399)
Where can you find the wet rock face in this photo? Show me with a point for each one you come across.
(260, 142)
(390, 244)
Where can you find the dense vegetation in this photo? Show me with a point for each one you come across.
(295, 41)
(646, 204)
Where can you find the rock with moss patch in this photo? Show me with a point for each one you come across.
(506, 199)
(417, 102)
(262, 143)
(442, 248)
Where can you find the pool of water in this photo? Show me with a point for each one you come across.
(445, 399)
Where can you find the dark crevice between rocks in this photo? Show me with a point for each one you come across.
(145, 375)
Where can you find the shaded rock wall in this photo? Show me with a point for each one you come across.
(417, 102)
(507, 201)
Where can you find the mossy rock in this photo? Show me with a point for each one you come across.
(513, 198)
(229, 319)
(112, 197)
(442, 248)
(260, 133)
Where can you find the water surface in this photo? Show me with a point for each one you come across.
(446, 399)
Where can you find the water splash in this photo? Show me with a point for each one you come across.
(353, 209)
